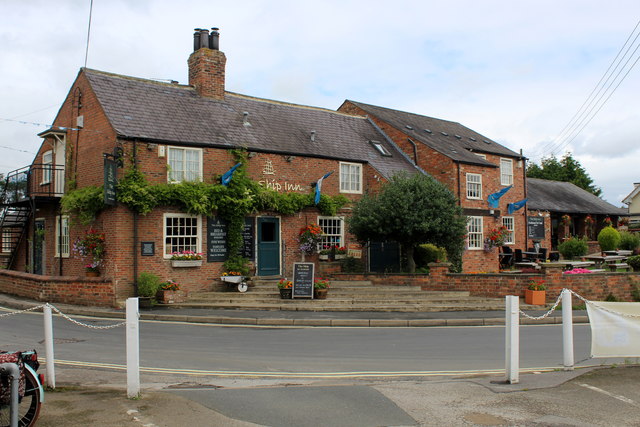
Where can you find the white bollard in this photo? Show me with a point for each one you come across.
(50, 373)
(567, 330)
(512, 339)
(133, 349)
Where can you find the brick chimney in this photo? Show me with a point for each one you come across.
(206, 64)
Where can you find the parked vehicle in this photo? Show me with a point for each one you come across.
(31, 396)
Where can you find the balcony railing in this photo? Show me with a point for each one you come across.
(37, 180)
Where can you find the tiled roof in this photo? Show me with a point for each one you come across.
(448, 138)
(173, 113)
(565, 197)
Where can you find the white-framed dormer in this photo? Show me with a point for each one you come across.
(350, 177)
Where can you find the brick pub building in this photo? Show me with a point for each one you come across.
(175, 133)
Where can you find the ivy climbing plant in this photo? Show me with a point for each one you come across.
(232, 203)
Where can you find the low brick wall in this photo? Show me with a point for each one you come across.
(592, 286)
(76, 290)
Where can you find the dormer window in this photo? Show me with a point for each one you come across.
(381, 148)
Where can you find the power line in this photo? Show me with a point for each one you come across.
(586, 113)
(86, 52)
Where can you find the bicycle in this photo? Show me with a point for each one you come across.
(30, 402)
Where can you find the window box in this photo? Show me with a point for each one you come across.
(186, 263)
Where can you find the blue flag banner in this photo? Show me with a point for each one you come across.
(319, 187)
(512, 207)
(226, 178)
(494, 198)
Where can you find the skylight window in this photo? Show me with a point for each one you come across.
(381, 148)
(473, 139)
(428, 131)
(409, 127)
(458, 136)
(486, 142)
(444, 133)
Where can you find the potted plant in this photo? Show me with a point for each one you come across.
(186, 259)
(634, 262)
(148, 285)
(341, 252)
(320, 288)
(324, 253)
(536, 293)
(285, 287)
(91, 249)
(170, 293)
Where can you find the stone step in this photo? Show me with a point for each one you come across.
(337, 298)
(370, 293)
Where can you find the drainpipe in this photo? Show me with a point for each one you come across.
(459, 190)
(526, 211)
(135, 228)
(415, 151)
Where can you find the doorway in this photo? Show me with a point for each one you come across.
(268, 246)
(38, 247)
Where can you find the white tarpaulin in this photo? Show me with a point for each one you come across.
(615, 329)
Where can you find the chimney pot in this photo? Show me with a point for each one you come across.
(214, 39)
(204, 38)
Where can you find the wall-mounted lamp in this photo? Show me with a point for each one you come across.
(151, 146)
(252, 154)
(289, 158)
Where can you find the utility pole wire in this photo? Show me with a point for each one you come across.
(86, 52)
(572, 124)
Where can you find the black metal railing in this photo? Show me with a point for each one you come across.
(36, 180)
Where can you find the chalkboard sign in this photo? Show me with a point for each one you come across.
(217, 249)
(535, 227)
(303, 280)
(247, 238)
(110, 174)
(216, 240)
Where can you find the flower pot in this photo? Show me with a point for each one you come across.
(323, 257)
(170, 297)
(320, 293)
(286, 293)
(535, 297)
(145, 302)
(341, 256)
(92, 273)
(186, 263)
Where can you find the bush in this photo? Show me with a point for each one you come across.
(609, 239)
(634, 262)
(148, 284)
(426, 253)
(629, 241)
(573, 247)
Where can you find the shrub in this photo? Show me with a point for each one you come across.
(609, 239)
(429, 252)
(148, 284)
(351, 265)
(634, 262)
(573, 247)
(629, 241)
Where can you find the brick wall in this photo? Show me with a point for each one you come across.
(592, 286)
(59, 289)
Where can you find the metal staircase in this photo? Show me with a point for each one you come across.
(20, 191)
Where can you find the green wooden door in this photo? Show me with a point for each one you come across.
(268, 246)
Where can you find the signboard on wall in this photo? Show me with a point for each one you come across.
(217, 248)
(110, 174)
(303, 279)
(535, 227)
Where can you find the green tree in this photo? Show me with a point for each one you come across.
(566, 169)
(412, 210)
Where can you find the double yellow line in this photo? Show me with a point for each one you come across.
(272, 374)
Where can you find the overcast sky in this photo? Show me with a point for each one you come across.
(515, 71)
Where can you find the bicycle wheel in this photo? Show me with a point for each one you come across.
(29, 407)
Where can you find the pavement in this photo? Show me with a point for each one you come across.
(304, 318)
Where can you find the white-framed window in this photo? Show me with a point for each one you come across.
(482, 156)
(47, 166)
(62, 236)
(185, 164)
(474, 186)
(506, 171)
(350, 177)
(507, 221)
(475, 235)
(333, 231)
(181, 233)
(7, 241)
